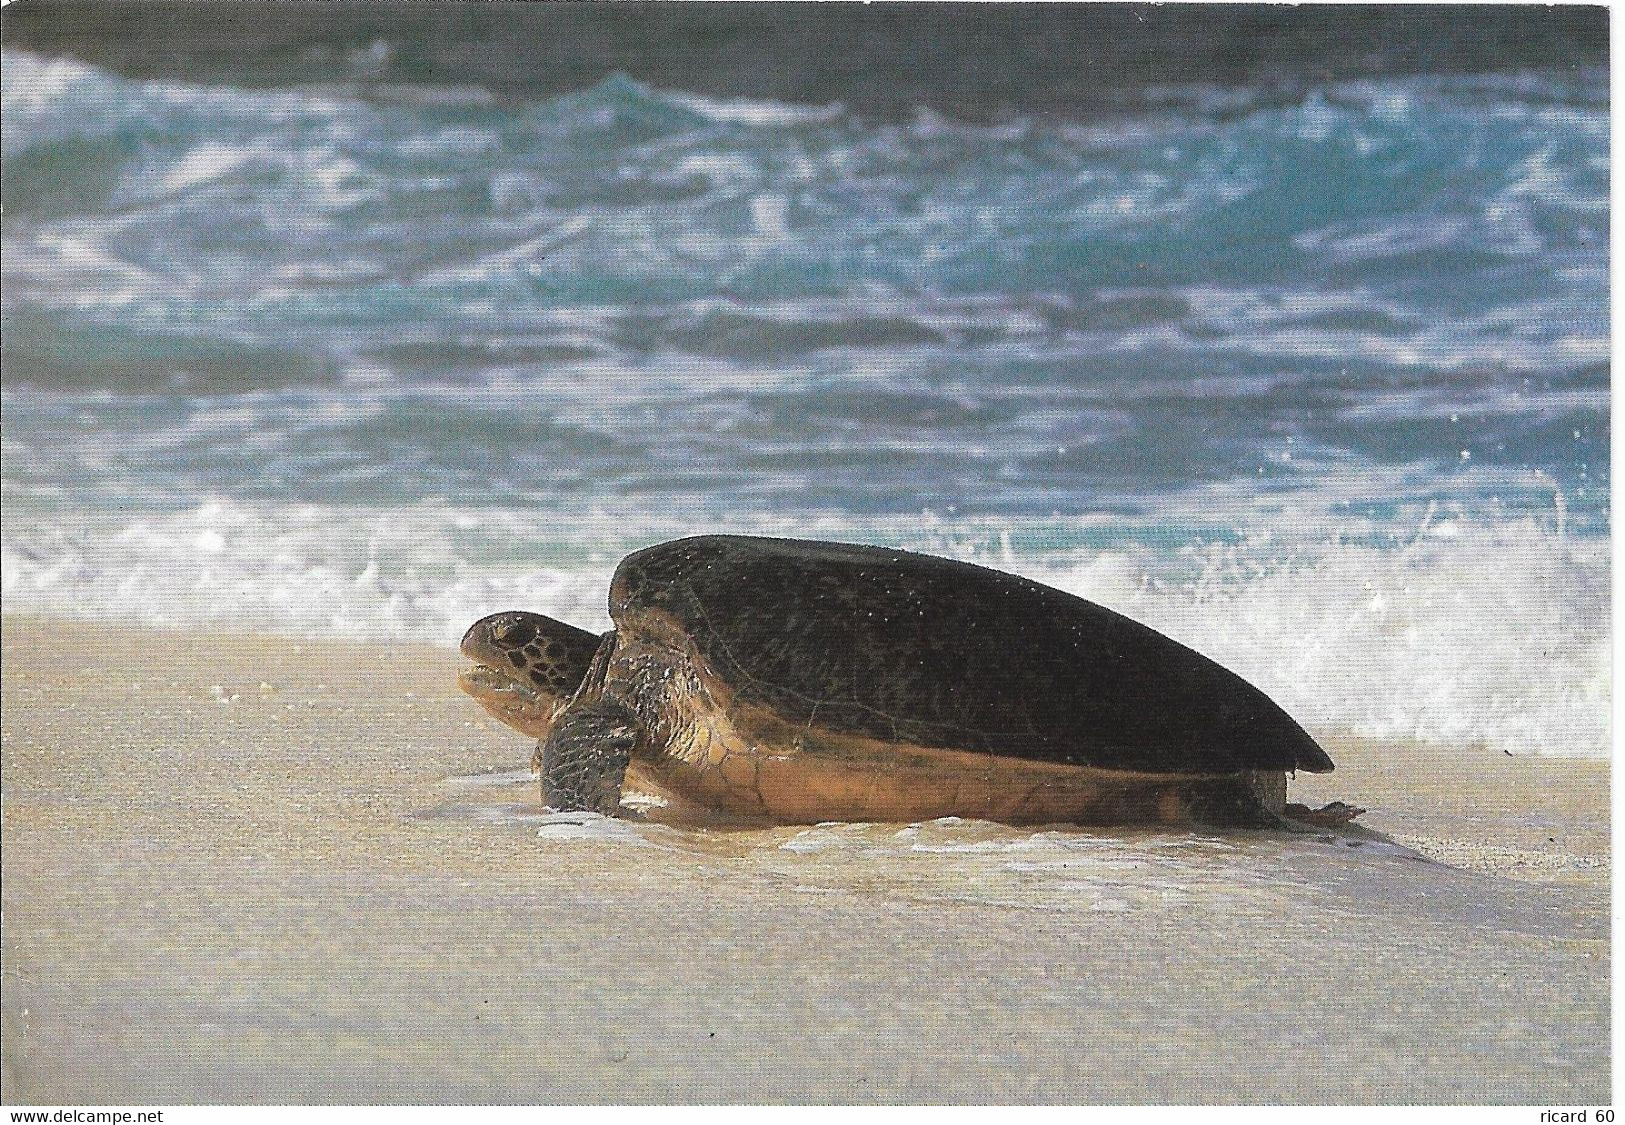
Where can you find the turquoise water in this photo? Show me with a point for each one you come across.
(1314, 377)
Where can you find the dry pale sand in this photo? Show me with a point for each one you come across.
(260, 870)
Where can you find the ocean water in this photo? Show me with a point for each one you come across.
(1313, 377)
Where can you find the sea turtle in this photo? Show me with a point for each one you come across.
(795, 681)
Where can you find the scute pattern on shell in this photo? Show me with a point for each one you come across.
(934, 652)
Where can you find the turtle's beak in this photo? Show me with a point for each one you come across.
(483, 644)
(494, 671)
(517, 704)
(477, 643)
(485, 682)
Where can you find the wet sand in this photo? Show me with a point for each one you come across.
(243, 869)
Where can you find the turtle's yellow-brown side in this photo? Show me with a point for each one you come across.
(706, 748)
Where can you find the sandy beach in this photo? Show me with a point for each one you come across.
(249, 869)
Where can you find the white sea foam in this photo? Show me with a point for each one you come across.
(1467, 634)
(742, 111)
(1498, 637)
(580, 827)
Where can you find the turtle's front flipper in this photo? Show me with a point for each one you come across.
(584, 759)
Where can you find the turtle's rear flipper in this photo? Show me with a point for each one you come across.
(584, 760)
(1327, 816)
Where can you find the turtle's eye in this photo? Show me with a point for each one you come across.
(516, 634)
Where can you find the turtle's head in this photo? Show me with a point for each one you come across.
(526, 667)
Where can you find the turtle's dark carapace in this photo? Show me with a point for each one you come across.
(931, 651)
